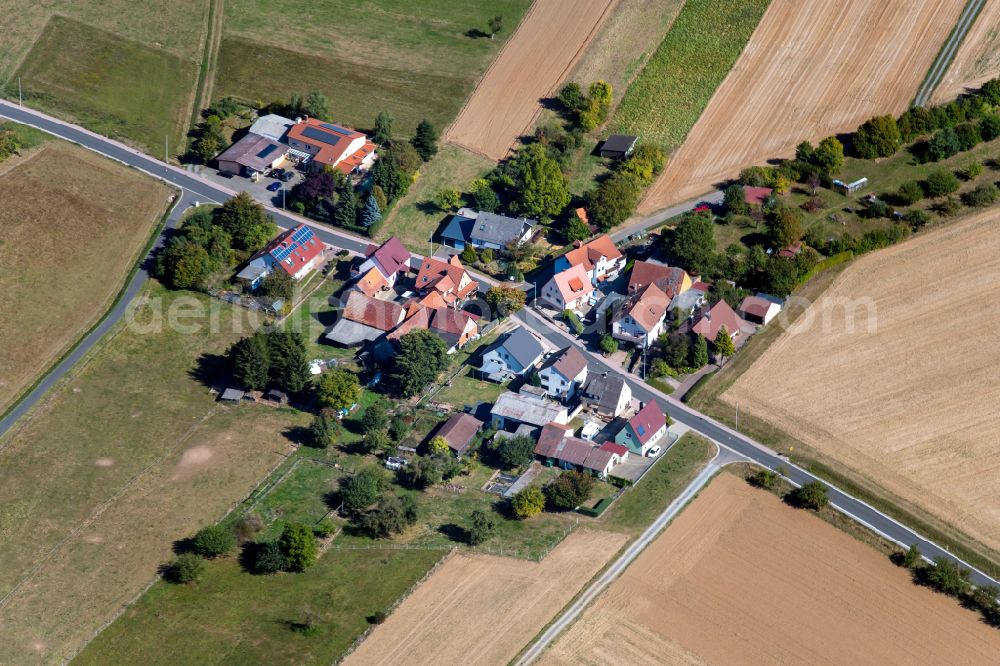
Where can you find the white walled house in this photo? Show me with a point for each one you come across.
(640, 317)
(569, 289)
(563, 373)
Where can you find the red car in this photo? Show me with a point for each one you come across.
(703, 208)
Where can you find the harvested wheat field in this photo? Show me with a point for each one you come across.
(480, 609)
(810, 70)
(741, 578)
(73, 223)
(531, 66)
(914, 404)
(978, 58)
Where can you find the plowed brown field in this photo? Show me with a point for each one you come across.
(810, 70)
(914, 404)
(978, 58)
(479, 609)
(531, 66)
(741, 578)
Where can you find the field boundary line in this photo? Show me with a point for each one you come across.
(948, 51)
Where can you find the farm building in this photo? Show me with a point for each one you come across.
(512, 410)
(272, 126)
(251, 155)
(644, 429)
(324, 144)
(296, 251)
(454, 327)
(459, 431)
(364, 319)
(618, 146)
(559, 448)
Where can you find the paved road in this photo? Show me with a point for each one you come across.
(656, 219)
(619, 566)
(742, 445)
(197, 189)
(947, 54)
(99, 331)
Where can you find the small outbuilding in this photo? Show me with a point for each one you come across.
(618, 146)
(232, 395)
(251, 155)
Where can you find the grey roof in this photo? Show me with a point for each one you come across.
(254, 269)
(619, 143)
(349, 333)
(687, 300)
(523, 346)
(253, 151)
(272, 126)
(232, 394)
(527, 409)
(499, 229)
(605, 390)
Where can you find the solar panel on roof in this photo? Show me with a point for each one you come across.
(336, 128)
(302, 235)
(268, 149)
(321, 136)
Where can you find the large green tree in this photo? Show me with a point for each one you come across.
(339, 389)
(250, 361)
(421, 357)
(382, 133)
(569, 490)
(298, 545)
(362, 489)
(877, 137)
(246, 221)
(784, 226)
(481, 527)
(515, 451)
(723, 343)
(505, 300)
(425, 140)
(213, 541)
(692, 245)
(541, 190)
(614, 200)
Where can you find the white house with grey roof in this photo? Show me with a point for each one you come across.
(511, 410)
(513, 355)
(609, 395)
(489, 230)
(563, 373)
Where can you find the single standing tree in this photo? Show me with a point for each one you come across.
(448, 199)
(250, 362)
(186, 568)
(608, 344)
(829, 155)
(540, 185)
(505, 300)
(569, 490)
(692, 244)
(528, 502)
(877, 137)
(382, 133)
(784, 226)
(425, 140)
(422, 356)
(323, 430)
(278, 284)
(317, 106)
(515, 452)
(298, 545)
(339, 389)
(724, 344)
(345, 210)
(375, 441)
(496, 25)
(576, 230)
(482, 526)
(698, 353)
(247, 221)
(360, 491)
(912, 558)
(213, 541)
(469, 255)
(438, 446)
(810, 496)
(375, 417)
(572, 97)
(370, 215)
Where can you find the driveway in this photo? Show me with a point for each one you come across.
(258, 190)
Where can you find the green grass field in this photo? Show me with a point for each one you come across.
(112, 85)
(640, 505)
(366, 57)
(704, 42)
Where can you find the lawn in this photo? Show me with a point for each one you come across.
(124, 457)
(68, 275)
(110, 84)
(664, 101)
(415, 65)
(641, 504)
(416, 217)
(314, 316)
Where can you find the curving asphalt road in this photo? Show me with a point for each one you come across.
(196, 189)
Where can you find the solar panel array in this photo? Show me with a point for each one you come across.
(302, 235)
(299, 239)
(336, 128)
(319, 135)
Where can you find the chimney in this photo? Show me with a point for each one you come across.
(298, 119)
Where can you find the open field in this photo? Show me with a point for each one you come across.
(810, 70)
(124, 457)
(739, 577)
(413, 63)
(415, 217)
(176, 26)
(110, 84)
(977, 59)
(531, 66)
(73, 223)
(694, 57)
(480, 609)
(912, 402)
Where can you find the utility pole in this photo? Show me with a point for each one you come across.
(166, 149)
(737, 417)
(643, 358)
(20, 102)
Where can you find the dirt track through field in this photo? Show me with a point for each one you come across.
(480, 609)
(531, 66)
(810, 70)
(978, 58)
(741, 578)
(914, 404)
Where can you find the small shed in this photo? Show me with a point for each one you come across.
(274, 395)
(232, 395)
(618, 146)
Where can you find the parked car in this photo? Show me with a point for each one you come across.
(286, 176)
(274, 187)
(654, 451)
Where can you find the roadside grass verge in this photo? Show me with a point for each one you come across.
(641, 504)
(111, 85)
(70, 275)
(700, 49)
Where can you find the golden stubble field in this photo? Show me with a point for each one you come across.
(741, 578)
(912, 405)
(977, 59)
(71, 227)
(531, 66)
(481, 609)
(810, 70)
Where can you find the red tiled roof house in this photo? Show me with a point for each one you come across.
(296, 251)
(328, 144)
(569, 289)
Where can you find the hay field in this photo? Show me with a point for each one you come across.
(480, 609)
(73, 225)
(977, 59)
(123, 458)
(414, 60)
(911, 406)
(811, 69)
(741, 578)
(531, 66)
